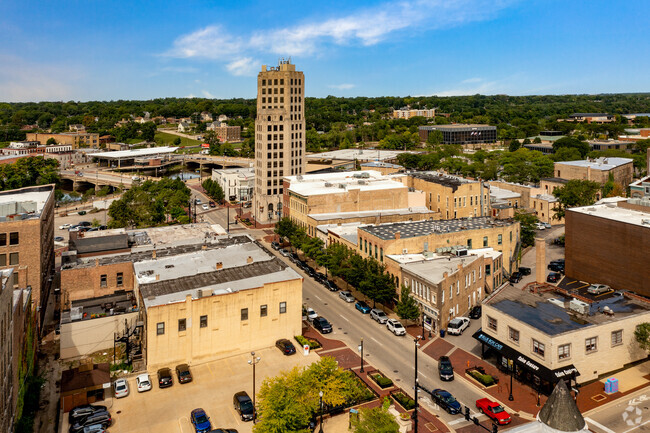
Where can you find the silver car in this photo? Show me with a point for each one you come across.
(395, 327)
(346, 296)
(598, 289)
(378, 315)
(121, 387)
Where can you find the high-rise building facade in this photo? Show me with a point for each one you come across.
(279, 136)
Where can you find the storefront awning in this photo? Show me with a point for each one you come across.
(527, 363)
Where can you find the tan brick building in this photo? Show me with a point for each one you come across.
(597, 170)
(75, 139)
(226, 133)
(548, 338)
(27, 239)
(452, 196)
(279, 136)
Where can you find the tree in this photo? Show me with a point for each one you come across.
(514, 145)
(572, 142)
(213, 190)
(177, 141)
(642, 336)
(376, 420)
(50, 141)
(537, 140)
(407, 307)
(527, 224)
(567, 154)
(434, 138)
(148, 131)
(575, 193)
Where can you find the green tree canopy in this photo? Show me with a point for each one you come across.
(575, 193)
(407, 307)
(376, 420)
(642, 336)
(527, 223)
(572, 142)
(213, 190)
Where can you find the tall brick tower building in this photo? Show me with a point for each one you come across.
(279, 136)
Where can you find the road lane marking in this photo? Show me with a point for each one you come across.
(635, 427)
(599, 425)
(373, 339)
(344, 318)
(318, 297)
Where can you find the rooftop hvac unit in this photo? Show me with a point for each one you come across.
(461, 253)
(579, 306)
(328, 184)
(342, 185)
(362, 182)
(556, 301)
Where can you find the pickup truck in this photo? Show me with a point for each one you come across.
(494, 411)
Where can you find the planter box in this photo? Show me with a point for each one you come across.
(399, 403)
(382, 381)
(477, 381)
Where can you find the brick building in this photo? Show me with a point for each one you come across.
(224, 132)
(27, 239)
(597, 170)
(407, 113)
(75, 139)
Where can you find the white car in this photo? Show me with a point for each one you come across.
(540, 226)
(144, 382)
(378, 315)
(311, 314)
(457, 325)
(205, 206)
(65, 226)
(395, 327)
(121, 388)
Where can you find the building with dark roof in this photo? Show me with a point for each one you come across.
(461, 133)
(591, 117)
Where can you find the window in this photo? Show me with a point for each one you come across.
(591, 344)
(564, 351)
(244, 314)
(120, 279)
(539, 348)
(617, 337)
(182, 325)
(3, 239)
(160, 328)
(485, 241)
(492, 323)
(499, 240)
(203, 322)
(263, 310)
(102, 280)
(513, 334)
(469, 244)
(283, 307)
(3, 260)
(487, 270)
(13, 238)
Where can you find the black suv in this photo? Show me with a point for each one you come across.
(515, 277)
(244, 406)
(475, 312)
(321, 324)
(83, 411)
(103, 418)
(524, 270)
(165, 378)
(445, 369)
(556, 266)
(183, 373)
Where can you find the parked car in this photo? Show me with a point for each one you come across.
(200, 421)
(197, 201)
(346, 296)
(213, 204)
(556, 267)
(85, 224)
(445, 400)
(475, 312)
(284, 252)
(445, 369)
(82, 412)
(285, 346)
(553, 277)
(457, 325)
(165, 378)
(322, 325)
(224, 430)
(330, 286)
(547, 225)
(378, 315)
(275, 245)
(494, 411)
(81, 212)
(120, 388)
(58, 239)
(102, 418)
(65, 226)
(598, 289)
(515, 277)
(311, 314)
(523, 270)
(320, 277)
(143, 382)
(205, 206)
(362, 306)
(95, 428)
(310, 271)
(540, 226)
(395, 327)
(183, 373)
(244, 406)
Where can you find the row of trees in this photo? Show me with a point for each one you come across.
(29, 172)
(151, 204)
(213, 190)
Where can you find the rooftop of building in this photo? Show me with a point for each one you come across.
(135, 153)
(347, 231)
(497, 193)
(589, 114)
(546, 197)
(370, 213)
(359, 154)
(240, 171)
(550, 138)
(448, 252)
(412, 229)
(434, 269)
(554, 180)
(640, 182)
(441, 178)
(380, 164)
(551, 313)
(115, 304)
(212, 272)
(601, 163)
(338, 182)
(611, 211)
(24, 203)
(609, 142)
(458, 126)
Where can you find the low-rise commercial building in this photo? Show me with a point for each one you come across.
(224, 132)
(591, 118)
(603, 145)
(382, 167)
(542, 336)
(640, 188)
(227, 299)
(461, 133)
(74, 139)
(237, 183)
(407, 113)
(451, 196)
(597, 170)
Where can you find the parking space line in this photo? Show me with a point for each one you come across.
(235, 414)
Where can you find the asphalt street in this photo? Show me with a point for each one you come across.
(630, 414)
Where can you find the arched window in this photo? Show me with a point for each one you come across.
(269, 118)
(270, 207)
(280, 118)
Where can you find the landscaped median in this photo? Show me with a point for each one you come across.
(311, 342)
(478, 375)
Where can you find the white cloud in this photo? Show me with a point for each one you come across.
(344, 86)
(208, 94)
(21, 80)
(472, 80)
(243, 66)
(367, 26)
(475, 86)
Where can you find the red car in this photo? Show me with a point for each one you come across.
(494, 411)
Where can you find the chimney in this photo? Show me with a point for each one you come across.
(249, 259)
(204, 247)
(153, 254)
(398, 235)
(96, 262)
(460, 266)
(219, 265)
(540, 259)
(157, 277)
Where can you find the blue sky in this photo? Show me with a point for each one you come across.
(99, 50)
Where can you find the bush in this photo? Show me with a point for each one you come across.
(483, 379)
(382, 380)
(313, 344)
(404, 400)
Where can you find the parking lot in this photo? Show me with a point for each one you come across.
(212, 388)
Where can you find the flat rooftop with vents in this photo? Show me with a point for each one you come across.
(423, 228)
(24, 203)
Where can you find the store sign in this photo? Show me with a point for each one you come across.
(528, 363)
(564, 372)
(490, 342)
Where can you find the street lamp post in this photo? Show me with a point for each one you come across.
(512, 373)
(423, 325)
(415, 387)
(320, 395)
(361, 350)
(253, 361)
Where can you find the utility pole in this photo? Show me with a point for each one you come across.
(415, 387)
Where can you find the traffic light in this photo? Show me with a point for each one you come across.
(466, 413)
(495, 428)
